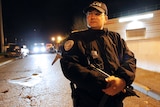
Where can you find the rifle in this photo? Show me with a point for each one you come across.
(128, 90)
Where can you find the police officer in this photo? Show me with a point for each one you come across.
(104, 49)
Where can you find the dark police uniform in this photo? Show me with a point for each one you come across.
(108, 52)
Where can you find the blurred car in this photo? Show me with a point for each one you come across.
(16, 51)
(38, 48)
(52, 50)
(24, 51)
(48, 46)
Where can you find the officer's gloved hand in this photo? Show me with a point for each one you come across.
(114, 85)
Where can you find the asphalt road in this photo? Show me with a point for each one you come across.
(34, 82)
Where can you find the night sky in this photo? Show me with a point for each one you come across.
(30, 19)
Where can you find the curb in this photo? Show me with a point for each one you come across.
(147, 91)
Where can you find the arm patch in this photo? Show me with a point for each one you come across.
(68, 45)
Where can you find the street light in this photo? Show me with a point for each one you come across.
(53, 39)
(56, 41)
(59, 38)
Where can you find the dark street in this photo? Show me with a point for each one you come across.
(34, 82)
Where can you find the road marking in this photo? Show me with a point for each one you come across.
(27, 81)
(3, 63)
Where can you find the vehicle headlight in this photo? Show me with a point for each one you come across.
(43, 49)
(36, 49)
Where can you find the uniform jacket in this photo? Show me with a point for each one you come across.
(102, 48)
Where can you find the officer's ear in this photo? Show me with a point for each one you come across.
(106, 19)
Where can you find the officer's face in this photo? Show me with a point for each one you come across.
(96, 19)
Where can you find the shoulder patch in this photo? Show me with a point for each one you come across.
(68, 45)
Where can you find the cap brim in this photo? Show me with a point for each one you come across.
(93, 7)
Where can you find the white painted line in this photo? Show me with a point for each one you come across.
(3, 63)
